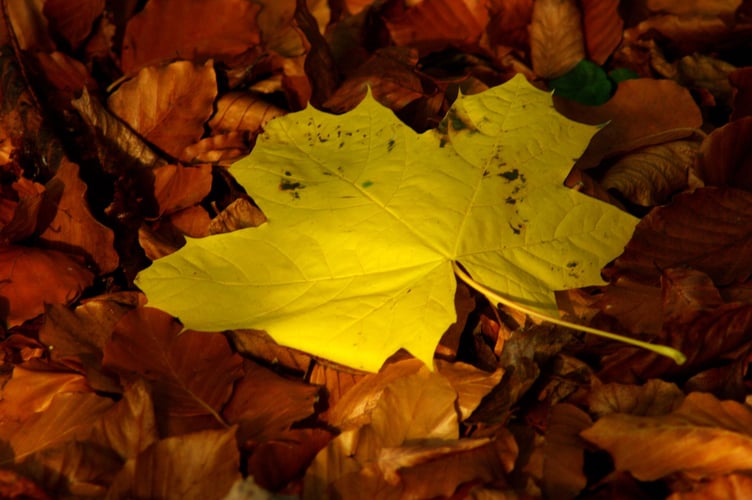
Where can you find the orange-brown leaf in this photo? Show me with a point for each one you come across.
(168, 105)
(177, 187)
(564, 452)
(199, 465)
(71, 225)
(192, 373)
(725, 157)
(72, 21)
(31, 277)
(704, 437)
(243, 111)
(556, 41)
(197, 30)
(603, 28)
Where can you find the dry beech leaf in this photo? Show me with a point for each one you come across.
(243, 111)
(15, 485)
(435, 470)
(118, 146)
(71, 225)
(471, 383)
(649, 176)
(654, 398)
(509, 22)
(708, 230)
(721, 488)
(279, 32)
(222, 149)
(434, 24)
(725, 157)
(69, 417)
(258, 344)
(32, 391)
(31, 277)
(222, 30)
(639, 108)
(177, 187)
(168, 105)
(264, 404)
(29, 25)
(130, 426)
(239, 214)
(564, 452)
(603, 28)
(402, 403)
(199, 465)
(19, 218)
(72, 21)
(336, 382)
(636, 305)
(686, 440)
(66, 74)
(192, 374)
(160, 240)
(705, 72)
(556, 41)
(192, 221)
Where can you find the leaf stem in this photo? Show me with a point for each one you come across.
(678, 357)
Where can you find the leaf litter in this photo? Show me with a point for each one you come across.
(102, 397)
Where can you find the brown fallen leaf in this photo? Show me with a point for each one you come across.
(31, 277)
(223, 30)
(192, 374)
(221, 149)
(564, 452)
(725, 157)
(636, 305)
(239, 214)
(556, 39)
(508, 23)
(741, 81)
(199, 465)
(404, 402)
(19, 218)
(685, 441)
(243, 111)
(602, 26)
(708, 230)
(167, 105)
(67, 223)
(651, 399)
(177, 187)
(651, 175)
(264, 404)
(471, 384)
(720, 488)
(192, 221)
(73, 22)
(435, 24)
(639, 108)
(15, 485)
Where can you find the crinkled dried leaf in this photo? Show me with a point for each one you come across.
(705, 72)
(509, 22)
(649, 176)
(68, 76)
(704, 437)
(564, 452)
(197, 30)
(239, 214)
(741, 80)
(199, 465)
(222, 149)
(725, 157)
(264, 404)
(709, 230)
(32, 391)
(167, 105)
(638, 109)
(71, 225)
(72, 21)
(356, 248)
(19, 218)
(243, 111)
(556, 41)
(31, 277)
(278, 29)
(177, 186)
(602, 27)
(404, 402)
(471, 384)
(654, 398)
(118, 146)
(192, 221)
(430, 471)
(192, 373)
(636, 305)
(15, 485)
(129, 427)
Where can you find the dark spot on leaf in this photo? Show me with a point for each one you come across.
(515, 230)
(510, 200)
(367, 184)
(572, 264)
(288, 173)
(287, 185)
(485, 173)
(341, 144)
(390, 145)
(510, 175)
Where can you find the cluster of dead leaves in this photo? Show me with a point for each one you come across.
(117, 120)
